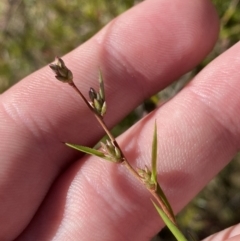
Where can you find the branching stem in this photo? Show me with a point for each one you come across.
(124, 159)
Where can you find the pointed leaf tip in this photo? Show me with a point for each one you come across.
(154, 155)
(101, 83)
(86, 150)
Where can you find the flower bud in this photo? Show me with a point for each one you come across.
(92, 94)
(62, 72)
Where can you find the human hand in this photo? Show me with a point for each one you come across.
(50, 192)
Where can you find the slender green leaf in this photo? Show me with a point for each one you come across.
(93, 152)
(101, 90)
(172, 227)
(154, 156)
(162, 195)
(154, 171)
(86, 150)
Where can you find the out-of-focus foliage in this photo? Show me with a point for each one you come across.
(33, 32)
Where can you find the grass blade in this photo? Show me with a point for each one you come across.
(93, 152)
(154, 172)
(162, 195)
(101, 89)
(86, 150)
(154, 156)
(172, 227)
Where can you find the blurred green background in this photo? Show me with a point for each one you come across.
(33, 32)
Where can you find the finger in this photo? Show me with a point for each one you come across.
(229, 234)
(235, 238)
(198, 135)
(39, 113)
(74, 207)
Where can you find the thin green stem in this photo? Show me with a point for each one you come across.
(99, 118)
(65, 75)
(125, 162)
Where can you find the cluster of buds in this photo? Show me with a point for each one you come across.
(98, 102)
(62, 72)
(111, 152)
(145, 174)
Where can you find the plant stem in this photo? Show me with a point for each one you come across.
(124, 159)
(99, 118)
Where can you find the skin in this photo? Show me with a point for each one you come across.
(50, 192)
